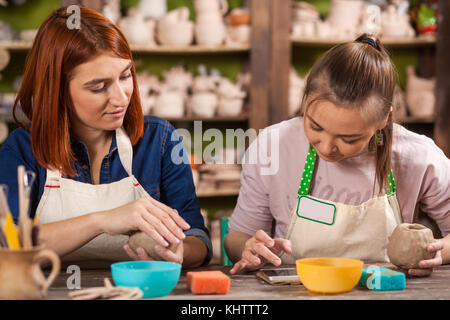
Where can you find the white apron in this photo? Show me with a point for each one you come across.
(65, 198)
(358, 232)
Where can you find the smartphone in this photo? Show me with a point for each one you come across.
(279, 275)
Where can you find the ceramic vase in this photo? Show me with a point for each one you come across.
(420, 95)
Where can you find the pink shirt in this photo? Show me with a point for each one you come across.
(421, 171)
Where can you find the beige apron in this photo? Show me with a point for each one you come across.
(358, 232)
(65, 199)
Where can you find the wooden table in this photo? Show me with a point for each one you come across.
(247, 287)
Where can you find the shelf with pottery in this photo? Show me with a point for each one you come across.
(419, 41)
(205, 193)
(415, 119)
(19, 45)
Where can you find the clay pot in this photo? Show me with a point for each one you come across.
(141, 240)
(21, 276)
(210, 33)
(230, 107)
(136, 29)
(407, 245)
(395, 25)
(238, 34)
(169, 104)
(205, 6)
(344, 17)
(420, 96)
(203, 104)
(175, 34)
(153, 9)
(239, 17)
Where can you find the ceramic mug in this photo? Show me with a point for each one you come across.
(210, 34)
(204, 6)
(21, 276)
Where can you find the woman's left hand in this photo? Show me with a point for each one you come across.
(426, 266)
(164, 253)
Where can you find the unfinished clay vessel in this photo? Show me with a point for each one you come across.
(140, 239)
(408, 245)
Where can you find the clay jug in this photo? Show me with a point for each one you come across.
(21, 276)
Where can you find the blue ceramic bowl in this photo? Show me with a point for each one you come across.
(154, 278)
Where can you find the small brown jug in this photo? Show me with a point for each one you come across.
(21, 276)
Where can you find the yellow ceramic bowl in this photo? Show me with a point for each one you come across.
(329, 275)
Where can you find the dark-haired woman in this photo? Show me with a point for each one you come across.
(347, 174)
(103, 170)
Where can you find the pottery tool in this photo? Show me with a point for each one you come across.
(25, 180)
(6, 221)
(382, 279)
(107, 292)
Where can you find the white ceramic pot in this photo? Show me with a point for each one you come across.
(153, 9)
(344, 16)
(239, 34)
(175, 34)
(420, 96)
(137, 30)
(203, 6)
(210, 34)
(28, 35)
(230, 107)
(204, 104)
(111, 10)
(169, 104)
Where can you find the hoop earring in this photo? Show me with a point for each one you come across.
(379, 138)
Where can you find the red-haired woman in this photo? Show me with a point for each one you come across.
(102, 169)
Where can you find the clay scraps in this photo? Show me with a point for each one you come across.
(107, 292)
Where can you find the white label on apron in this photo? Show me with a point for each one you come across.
(316, 210)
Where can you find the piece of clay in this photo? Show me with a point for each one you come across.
(140, 239)
(408, 245)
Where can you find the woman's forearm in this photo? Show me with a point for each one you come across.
(194, 252)
(68, 235)
(234, 245)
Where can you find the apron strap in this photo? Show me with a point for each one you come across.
(308, 171)
(125, 150)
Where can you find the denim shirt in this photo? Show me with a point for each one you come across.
(167, 181)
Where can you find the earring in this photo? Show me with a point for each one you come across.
(379, 138)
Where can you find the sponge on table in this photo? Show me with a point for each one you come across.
(208, 282)
(382, 279)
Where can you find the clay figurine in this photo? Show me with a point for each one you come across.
(408, 245)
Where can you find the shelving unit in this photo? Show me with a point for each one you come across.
(24, 45)
(432, 51)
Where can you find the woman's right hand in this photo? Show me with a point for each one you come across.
(259, 249)
(148, 215)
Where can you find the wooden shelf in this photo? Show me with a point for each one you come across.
(241, 118)
(217, 193)
(24, 45)
(412, 119)
(419, 41)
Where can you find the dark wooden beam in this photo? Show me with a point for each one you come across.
(280, 59)
(260, 64)
(442, 123)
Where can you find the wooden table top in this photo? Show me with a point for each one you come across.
(246, 286)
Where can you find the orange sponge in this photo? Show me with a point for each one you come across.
(208, 282)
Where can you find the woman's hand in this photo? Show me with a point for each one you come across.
(146, 214)
(426, 266)
(259, 249)
(165, 253)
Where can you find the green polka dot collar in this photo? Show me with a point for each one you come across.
(308, 171)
